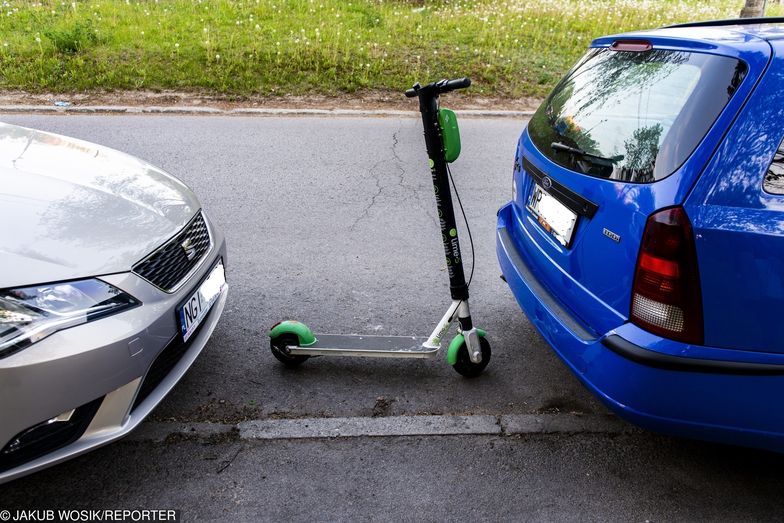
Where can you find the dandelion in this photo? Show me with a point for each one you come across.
(217, 57)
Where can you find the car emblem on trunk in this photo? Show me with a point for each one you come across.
(189, 248)
(547, 183)
(614, 237)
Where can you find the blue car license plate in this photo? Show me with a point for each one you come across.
(552, 215)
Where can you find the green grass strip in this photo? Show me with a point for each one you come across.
(272, 47)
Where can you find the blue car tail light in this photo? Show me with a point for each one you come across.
(666, 296)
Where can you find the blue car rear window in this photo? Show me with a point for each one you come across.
(634, 116)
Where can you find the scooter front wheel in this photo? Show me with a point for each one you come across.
(467, 368)
(278, 346)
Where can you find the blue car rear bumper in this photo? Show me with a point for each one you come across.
(654, 383)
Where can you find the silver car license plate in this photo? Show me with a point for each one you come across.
(193, 311)
(552, 215)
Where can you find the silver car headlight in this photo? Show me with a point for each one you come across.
(30, 314)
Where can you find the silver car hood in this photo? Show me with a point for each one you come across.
(72, 209)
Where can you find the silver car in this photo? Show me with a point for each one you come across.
(111, 281)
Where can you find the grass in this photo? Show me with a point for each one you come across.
(510, 48)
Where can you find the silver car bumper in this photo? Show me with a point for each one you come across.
(125, 363)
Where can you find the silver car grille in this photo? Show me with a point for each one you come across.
(171, 263)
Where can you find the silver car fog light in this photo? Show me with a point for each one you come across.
(25, 437)
(30, 314)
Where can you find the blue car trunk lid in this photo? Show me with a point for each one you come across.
(625, 133)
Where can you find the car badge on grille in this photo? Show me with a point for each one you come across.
(189, 248)
(547, 183)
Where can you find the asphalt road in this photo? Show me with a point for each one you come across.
(331, 221)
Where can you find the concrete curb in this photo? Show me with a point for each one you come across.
(243, 111)
(369, 427)
(563, 424)
(159, 432)
(392, 426)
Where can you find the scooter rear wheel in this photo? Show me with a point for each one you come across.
(467, 368)
(278, 347)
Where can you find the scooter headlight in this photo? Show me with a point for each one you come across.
(30, 314)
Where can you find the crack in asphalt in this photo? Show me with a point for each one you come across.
(414, 190)
(227, 463)
(398, 163)
(379, 188)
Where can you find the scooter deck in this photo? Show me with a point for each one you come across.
(368, 346)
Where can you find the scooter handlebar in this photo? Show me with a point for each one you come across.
(442, 86)
(457, 83)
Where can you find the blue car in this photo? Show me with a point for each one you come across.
(645, 235)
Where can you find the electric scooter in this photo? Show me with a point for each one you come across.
(292, 342)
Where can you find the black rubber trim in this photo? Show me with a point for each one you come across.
(650, 358)
(563, 194)
(731, 21)
(542, 293)
(50, 438)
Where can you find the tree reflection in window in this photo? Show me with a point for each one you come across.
(774, 179)
(641, 113)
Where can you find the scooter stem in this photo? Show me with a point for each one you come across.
(428, 106)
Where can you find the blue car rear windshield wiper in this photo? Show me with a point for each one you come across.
(558, 146)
